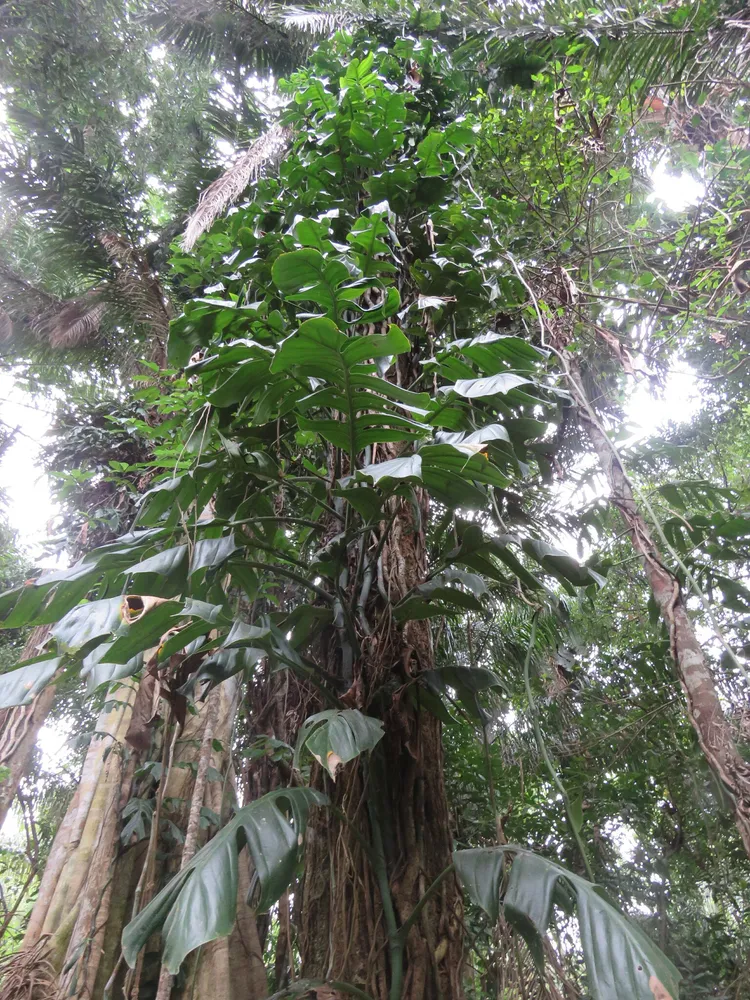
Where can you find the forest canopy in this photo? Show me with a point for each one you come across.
(393, 624)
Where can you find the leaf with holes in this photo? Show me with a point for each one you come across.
(335, 737)
(200, 903)
(621, 960)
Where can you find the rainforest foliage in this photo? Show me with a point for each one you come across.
(398, 626)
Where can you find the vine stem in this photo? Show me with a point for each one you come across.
(426, 897)
(395, 940)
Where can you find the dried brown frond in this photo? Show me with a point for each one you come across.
(118, 249)
(137, 286)
(6, 326)
(80, 330)
(74, 322)
(264, 153)
(28, 974)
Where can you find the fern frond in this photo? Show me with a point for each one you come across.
(265, 152)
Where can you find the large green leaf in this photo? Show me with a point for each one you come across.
(200, 903)
(395, 468)
(164, 563)
(464, 685)
(440, 150)
(621, 960)
(89, 622)
(97, 668)
(165, 571)
(317, 344)
(45, 600)
(335, 737)
(492, 385)
(20, 686)
(307, 276)
(560, 564)
(438, 596)
(145, 630)
(474, 441)
(212, 552)
(321, 349)
(218, 666)
(494, 352)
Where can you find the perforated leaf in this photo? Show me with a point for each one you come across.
(621, 960)
(200, 903)
(335, 737)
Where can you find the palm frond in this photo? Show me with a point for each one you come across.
(72, 323)
(651, 47)
(227, 31)
(50, 184)
(321, 22)
(131, 295)
(726, 51)
(265, 152)
(20, 295)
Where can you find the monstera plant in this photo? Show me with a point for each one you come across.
(359, 410)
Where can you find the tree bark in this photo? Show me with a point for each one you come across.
(87, 891)
(231, 968)
(19, 728)
(77, 838)
(703, 703)
(356, 898)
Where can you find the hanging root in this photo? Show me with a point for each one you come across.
(28, 974)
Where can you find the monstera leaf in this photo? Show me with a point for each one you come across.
(200, 903)
(20, 686)
(335, 737)
(621, 960)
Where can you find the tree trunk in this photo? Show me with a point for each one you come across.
(703, 703)
(75, 884)
(89, 885)
(230, 968)
(354, 904)
(19, 728)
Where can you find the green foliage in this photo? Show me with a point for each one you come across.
(365, 341)
(336, 737)
(279, 395)
(619, 956)
(200, 904)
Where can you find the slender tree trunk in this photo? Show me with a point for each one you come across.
(89, 884)
(19, 728)
(194, 819)
(703, 703)
(354, 904)
(74, 884)
(231, 968)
